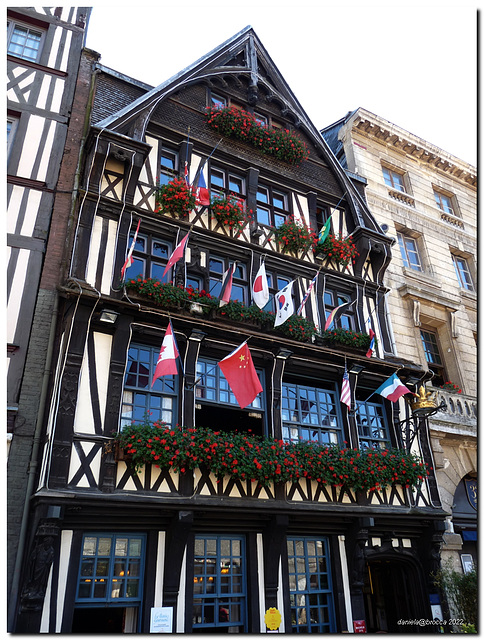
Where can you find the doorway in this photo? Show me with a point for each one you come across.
(392, 593)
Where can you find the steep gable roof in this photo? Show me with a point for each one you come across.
(243, 55)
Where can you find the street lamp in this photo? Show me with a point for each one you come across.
(423, 405)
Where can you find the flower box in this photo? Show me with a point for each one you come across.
(295, 236)
(176, 198)
(337, 249)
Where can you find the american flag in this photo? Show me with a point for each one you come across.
(345, 390)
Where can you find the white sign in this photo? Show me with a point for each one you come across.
(161, 620)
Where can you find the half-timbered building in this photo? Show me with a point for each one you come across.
(43, 55)
(118, 547)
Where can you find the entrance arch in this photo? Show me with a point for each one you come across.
(393, 592)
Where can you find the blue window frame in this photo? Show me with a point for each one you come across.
(139, 398)
(218, 266)
(213, 386)
(372, 425)
(310, 414)
(219, 584)
(111, 569)
(168, 166)
(150, 256)
(310, 587)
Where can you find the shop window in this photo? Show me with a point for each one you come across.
(394, 179)
(216, 405)
(409, 251)
(346, 318)
(140, 399)
(217, 267)
(168, 166)
(371, 422)
(272, 206)
(310, 414)
(150, 256)
(219, 585)
(109, 583)
(310, 586)
(463, 273)
(433, 356)
(24, 41)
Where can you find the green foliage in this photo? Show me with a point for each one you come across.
(265, 460)
(461, 591)
(342, 251)
(347, 337)
(176, 197)
(229, 212)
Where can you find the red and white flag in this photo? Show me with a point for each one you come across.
(241, 375)
(284, 304)
(371, 348)
(177, 253)
(260, 288)
(129, 258)
(227, 285)
(166, 364)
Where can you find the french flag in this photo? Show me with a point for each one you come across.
(393, 388)
(202, 192)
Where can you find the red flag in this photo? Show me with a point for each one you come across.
(166, 365)
(177, 254)
(227, 285)
(129, 259)
(241, 375)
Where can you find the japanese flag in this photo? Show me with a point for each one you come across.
(260, 288)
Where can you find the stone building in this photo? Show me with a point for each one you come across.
(426, 201)
(43, 56)
(350, 537)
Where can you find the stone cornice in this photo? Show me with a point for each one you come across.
(416, 148)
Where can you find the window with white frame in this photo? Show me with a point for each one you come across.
(140, 399)
(462, 271)
(24, 41)
(409, 251)
(433, 355)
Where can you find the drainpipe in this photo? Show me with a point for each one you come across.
(32, 470)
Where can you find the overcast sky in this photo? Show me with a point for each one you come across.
(415, 66)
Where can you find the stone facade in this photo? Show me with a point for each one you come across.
(427, 199)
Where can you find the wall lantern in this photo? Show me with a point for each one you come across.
(356, 368)
(423, 405)
(108, 316)
(283, 354)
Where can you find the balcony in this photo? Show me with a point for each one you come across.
(460, 412)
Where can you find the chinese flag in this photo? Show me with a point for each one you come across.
(241, 375)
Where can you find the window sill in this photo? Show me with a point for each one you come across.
(453, 220)
(422, 277)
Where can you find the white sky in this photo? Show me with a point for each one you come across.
(415, 66)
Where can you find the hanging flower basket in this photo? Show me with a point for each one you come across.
(345, 337)
(242, 125)
(342, 251)
(270, 460)
(295, 236)
(229, 212)
(450, 386)
(176, 198)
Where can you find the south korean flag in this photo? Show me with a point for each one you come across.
(284, 304)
